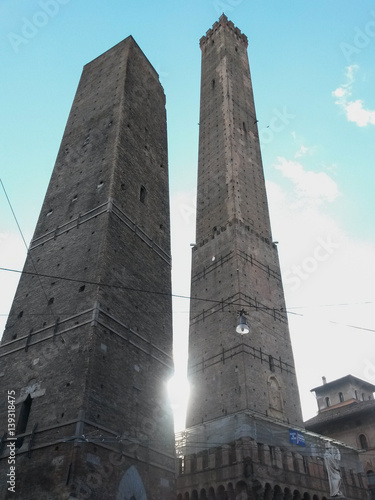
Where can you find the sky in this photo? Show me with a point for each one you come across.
(313, 72)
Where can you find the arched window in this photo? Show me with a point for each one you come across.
(220, 493)
(328, 402)
(211, 493)
(288, 494)
(131, 485)
(363, 442)
(277, 493)
(268, 492)
(341, 397)
(202, 495)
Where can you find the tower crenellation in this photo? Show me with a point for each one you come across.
(225, 23)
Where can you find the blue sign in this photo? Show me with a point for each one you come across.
(297, 438)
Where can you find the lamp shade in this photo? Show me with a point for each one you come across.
(242, 327)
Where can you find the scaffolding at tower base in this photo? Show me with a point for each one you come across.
(254, 453)
(262, 430)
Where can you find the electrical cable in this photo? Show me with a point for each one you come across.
(27, 248)
(131, 289)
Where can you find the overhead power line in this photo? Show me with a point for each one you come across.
(157, 292)
(132, 289)
(24, 241)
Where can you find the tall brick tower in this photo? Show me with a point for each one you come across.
(235, 263)
(244, 437)
(87, 350)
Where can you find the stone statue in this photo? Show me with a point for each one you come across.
(332, 458)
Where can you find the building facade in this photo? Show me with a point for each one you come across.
(87, 350)
(346, 411)
(244, 437)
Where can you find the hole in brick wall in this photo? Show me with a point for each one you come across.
(51, 301)
(20, 314)
(23, 419)
(68, 384)
(81, 288)
(14, 336)
(142, 194)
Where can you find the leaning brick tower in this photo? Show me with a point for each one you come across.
(87, 350)
(244, 436)
(235, 263)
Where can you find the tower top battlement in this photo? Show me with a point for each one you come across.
(223, 23)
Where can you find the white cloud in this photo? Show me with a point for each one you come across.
(303, 150)
(328, 286)
(340, 92)
(354, 110)
(357, 114)
(309, 186)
